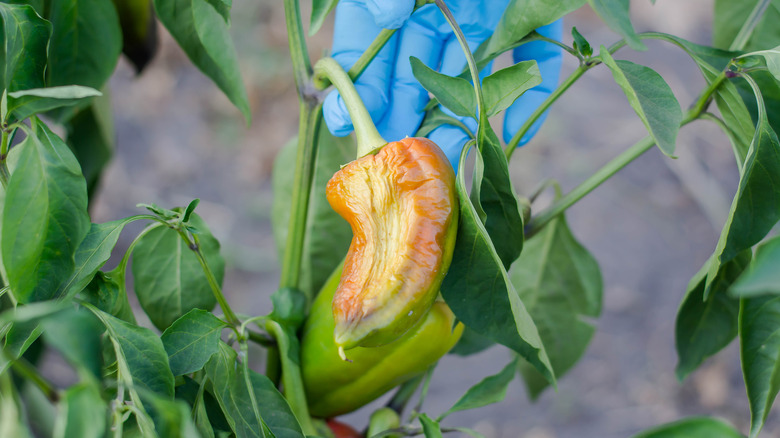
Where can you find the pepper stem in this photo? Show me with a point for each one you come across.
(368, 138)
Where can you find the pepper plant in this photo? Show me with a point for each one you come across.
(518, 276)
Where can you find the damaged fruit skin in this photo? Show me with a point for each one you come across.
(401, 204)
(334, 387)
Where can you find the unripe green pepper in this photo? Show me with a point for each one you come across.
(381, 420)
(334, 386)
(139, 31)
(402, 207)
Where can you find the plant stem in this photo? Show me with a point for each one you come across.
(472, 64)
(299, 54)
(291, 377)
(24, 369)
(260, 338)
(545, 216)
(4, 174)
(368, 138)
(371, 51)
(122, 266)
(759, 98)
(568, 82)
(231, 317)
(308, 131)
(404, 394)
(539, 221)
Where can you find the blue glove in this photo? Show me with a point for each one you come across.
(390, 91)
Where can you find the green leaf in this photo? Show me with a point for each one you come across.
(694, 427)
(277, 413)
(223, 7)
(707, 58)
(44, 99)
(169, 280)
(520, 18)
(200, 414)
(651, 98)
(76, 335)
(456, 94)
(772, 58)
(20, 337)
(233, 394)
(44, 217)
(756, 205)
(191, 341)
(327, 234)
(762, 276)
(25, 38)
(759, 319)
(91, 138)
(81, 412)
(503, 87)
(491, 389)
(477, 285)
(470, 343)
(320, 9)
(33, 311)
(107, 292)
(289, 306)
(560, 282)
(770, 89)
(85, 44)
(580, 43)
(494, 198)
(615, 14)
(12, 416)
(141, 353)
(203, 35)
(737, 118)
(706, 326)
(93, 252)
(171, 417)
(185, 217)
(730, 16)
(733, 110)
(431, 428)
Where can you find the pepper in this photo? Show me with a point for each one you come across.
(334, 387)
(139, 31)
(402, 207)
(342, 430)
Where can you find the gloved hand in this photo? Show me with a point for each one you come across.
(390, 91)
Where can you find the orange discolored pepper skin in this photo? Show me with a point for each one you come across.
(334, 387)
(401, 204)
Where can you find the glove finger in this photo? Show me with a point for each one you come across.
(548, 56)
(420, 39)
(353, 33)
(451, 140)
(390, 14)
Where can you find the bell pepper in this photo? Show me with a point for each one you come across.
(334, 387)
(402, 207)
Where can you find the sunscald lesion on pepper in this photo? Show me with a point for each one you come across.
(402, 207)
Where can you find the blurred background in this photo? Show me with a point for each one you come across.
(651, 227)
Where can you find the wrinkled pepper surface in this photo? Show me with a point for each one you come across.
(401, 204)
(335, 387)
